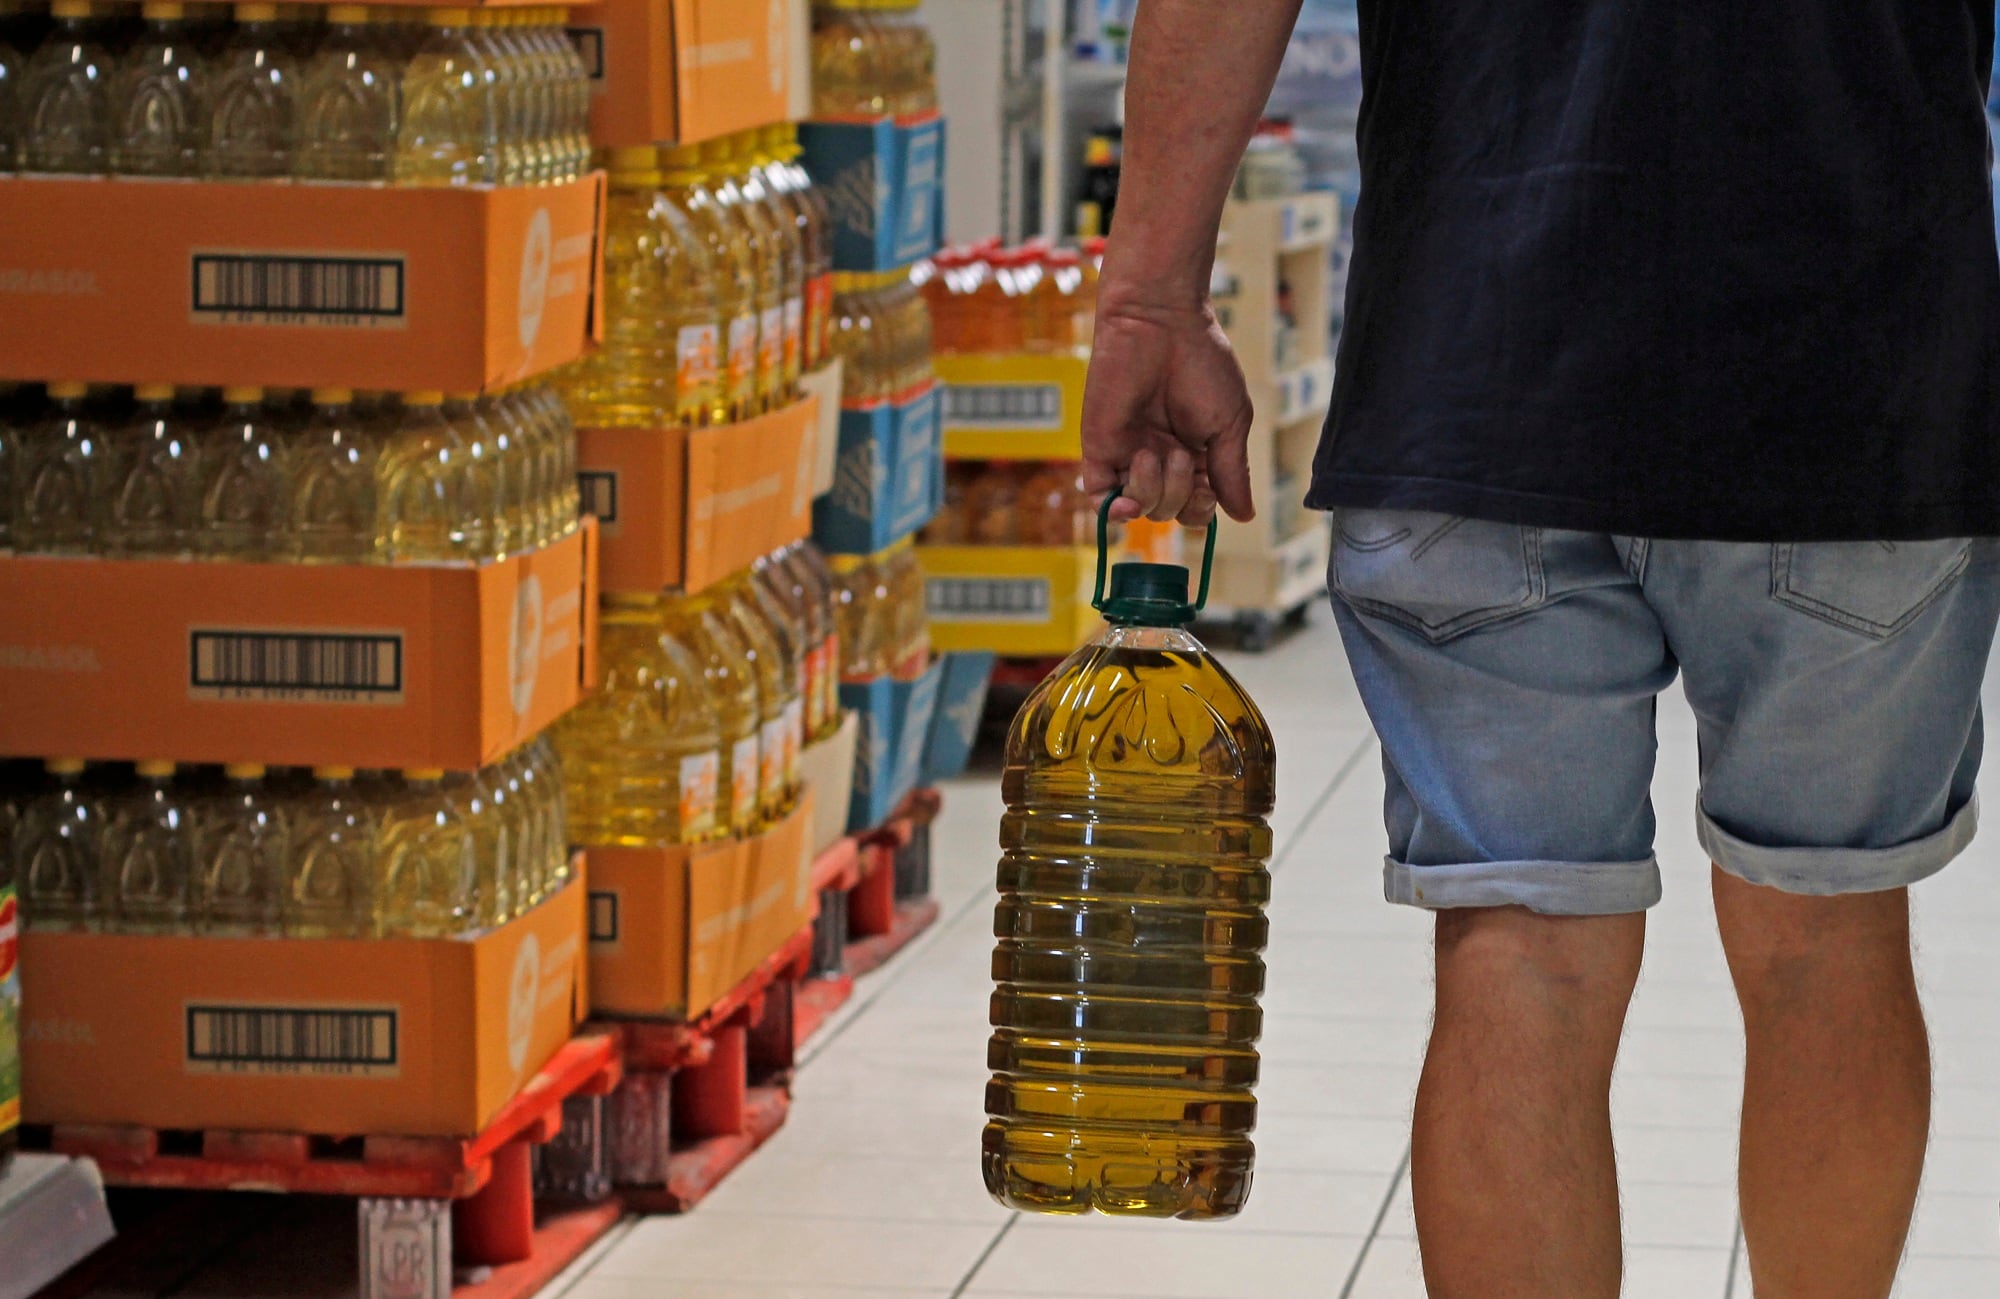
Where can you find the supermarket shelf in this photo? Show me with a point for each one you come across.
(1012, 406)
(1014, 600)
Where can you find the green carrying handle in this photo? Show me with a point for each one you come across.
(1104, 552)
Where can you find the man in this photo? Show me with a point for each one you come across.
(1672, 343)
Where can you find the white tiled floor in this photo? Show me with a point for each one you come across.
(873, 1186)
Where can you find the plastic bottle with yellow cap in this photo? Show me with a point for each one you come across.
(153, 488)
(159, 97)
(487, 461)
(502, 73)
(63, 103)
(910, 634)
(149, 854)
(254, 104)
(482, 799)
(769, 258)
(865, 613)
(449, 131)
(774, 653)
(778, 155)
(575, 94)
(245, 481)
(334, 505)
(61, 480)
(684, 186)
(240, 850)
(521, 485)
(58, 853)
(350, 101)
(430, 505)
(730, 681)
(788, 242)
(542, 780)
(549, 407)
(427, 861)
(331, 876)
(848, 74)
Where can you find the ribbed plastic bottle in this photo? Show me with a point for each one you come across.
(482, 799)
(62, 479)
(153, 492)
(58, 853)
(814, 223)
(518, 808)
(428, 863)
(501, 71)
(788, 228)
(331, 877)
(487, 461)
(786, 592)
(761, 614)
(549, 408)
(149, 854)
(775, 693)
(573, 95)
(159, 98)
(545, 765)
(431, 504)
(731, 683)
(540, 462)
(685, 186)
(910, 620)
(254, 103)
(449, 131)
(521, 470)
(769, 257)
(333, 507)
(350, 100)
(64, 104)
(642, 754)
(865, 618)
(1130, 921)
(241, 851)
(245, 481)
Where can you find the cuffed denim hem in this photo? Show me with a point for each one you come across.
(1826, 872)
(1552, 888)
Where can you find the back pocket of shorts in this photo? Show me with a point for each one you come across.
(1437, 574)
(1876, 588)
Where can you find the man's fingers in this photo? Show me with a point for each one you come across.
(1200, 508)
(1229, 468)
(1176, 486)
(1142, 482)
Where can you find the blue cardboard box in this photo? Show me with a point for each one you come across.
(961, 701)
(888, 477)
(883, 182)
(895, 731)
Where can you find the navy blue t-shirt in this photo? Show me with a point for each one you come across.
(1678, 268)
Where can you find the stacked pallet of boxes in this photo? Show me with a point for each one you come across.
(295, 583)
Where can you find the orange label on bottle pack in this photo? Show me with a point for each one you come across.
(771, 749)
(771, 339)
(701, 773)
(795, 740)
(795, 319)
(742, 363)
(743, 773)
(697, 352)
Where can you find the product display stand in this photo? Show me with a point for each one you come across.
(52, 1216)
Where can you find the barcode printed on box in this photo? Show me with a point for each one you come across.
(299, 289)
(1003, 405)
(351, 1041)
(589, 42)
(603, 917)
(988, 599)
(319, 667)
(599, 490)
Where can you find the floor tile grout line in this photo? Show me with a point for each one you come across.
(984, 1254)
(1375, 1228)
(599, 1250)
(1735, 1253)
(1325, 796)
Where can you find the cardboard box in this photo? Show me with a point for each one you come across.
(360, 665)
(827, 769)
(960, 705)
(882, 181)
(895, 722)
(823, 385)
(668, 71)
(296, 286)
(1032, 601)
(687, 507)
(888, 479)
(337, 1037)
(1012, 406)
(673, 929)
(1291, 575)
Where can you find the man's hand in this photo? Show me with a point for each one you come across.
(1166, 415)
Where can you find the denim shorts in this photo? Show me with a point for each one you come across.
(1512, 673)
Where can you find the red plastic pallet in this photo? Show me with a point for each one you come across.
(906, 919)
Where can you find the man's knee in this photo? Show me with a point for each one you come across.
(1790, 951)
(1577, 971)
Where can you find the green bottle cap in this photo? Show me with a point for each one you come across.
(1147, 595)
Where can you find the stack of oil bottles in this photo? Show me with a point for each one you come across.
(871, 58)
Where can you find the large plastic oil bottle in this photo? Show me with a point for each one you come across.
(685, 185)
(543, 766)
(1132, 885)
(768, 260)
(562, 439)
(787, 225)
(432, 504)
(62, 480)
(779, 153)
(245, 481)
(482, 799)
(786, 595)
(427, 861)
(642, 755)
(573, 95)
(333, 505)
(910, 617)
(241, 850)
(763, 617)
(254, 103)
(58, 852)
(449, 130)
(153, 487)
(331, 874)
(541, 461)
(159, 98)
(775, 695)
(487, 462)
(502, 72)
(64, 105)
(350, 101)
(149, 855)
(699, 623)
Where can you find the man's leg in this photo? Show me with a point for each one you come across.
(1511, 1165)
(1837, 1086)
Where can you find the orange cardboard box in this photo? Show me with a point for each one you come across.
(294, 286)
(293, 664)
(673, 929)
(687, 507)
(666, 71)
(338, 1037)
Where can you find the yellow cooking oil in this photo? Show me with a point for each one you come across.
(864, 614)
(758, 609)
(788, 242)
(428, 861)
(642, 754)
(1130, 923)
(701, 622)
(686, 186)
(774, 693)
(449, 130)
(909, 619)
(488, 464)
(349, 102)
(331, 878)
(430, 499)
(504, 73)
(722, 168)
